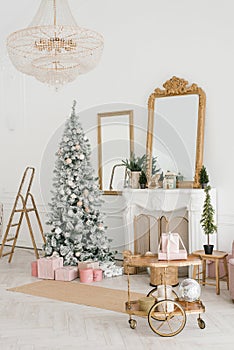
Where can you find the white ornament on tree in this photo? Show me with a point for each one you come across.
(86, 192)
(58, 230)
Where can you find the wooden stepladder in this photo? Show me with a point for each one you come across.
(24, 198)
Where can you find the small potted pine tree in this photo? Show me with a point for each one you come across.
(203, 177)
(142, 179)
(207, 220)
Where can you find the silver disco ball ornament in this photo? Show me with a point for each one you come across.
(189, 290)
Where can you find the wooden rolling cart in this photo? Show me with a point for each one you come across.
(166, 317)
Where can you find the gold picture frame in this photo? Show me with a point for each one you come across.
(101, 142)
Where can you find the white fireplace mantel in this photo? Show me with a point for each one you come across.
(159, 202)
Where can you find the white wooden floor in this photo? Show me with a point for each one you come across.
(29, 323)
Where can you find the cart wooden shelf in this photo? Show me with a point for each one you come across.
(166, 317)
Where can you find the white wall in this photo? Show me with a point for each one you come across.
(146, 42)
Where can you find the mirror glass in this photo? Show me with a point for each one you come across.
(115, 143)
(176, 130)
(175, 133)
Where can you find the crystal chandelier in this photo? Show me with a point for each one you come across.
(54, 49)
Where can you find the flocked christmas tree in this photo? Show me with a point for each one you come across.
(78, 232)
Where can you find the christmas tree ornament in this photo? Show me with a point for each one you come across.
(86, 192)
(79, 204)
(68, 161)
(58, 230)
(70, 213)
(77, 147)
(71, 183)
(82, 156)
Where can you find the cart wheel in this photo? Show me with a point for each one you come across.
(132, 323)
(152, 291)
(167, 318)
(201, 323)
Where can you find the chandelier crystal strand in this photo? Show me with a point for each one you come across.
(54, 49)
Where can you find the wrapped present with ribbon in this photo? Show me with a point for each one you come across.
(34, 270)
(88, 264)
(171, 247)
(66, 273)
(47, 266)
(170, 242)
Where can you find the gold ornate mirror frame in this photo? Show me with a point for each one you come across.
(178, 87)
(101, 116)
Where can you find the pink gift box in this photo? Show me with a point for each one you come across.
(181, 255)
(34, 270)
(87, 265)
(170, 242)
(97, 275)
(47, 266)
(86, 275)
(66, 273)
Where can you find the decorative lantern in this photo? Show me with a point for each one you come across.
(169, 181)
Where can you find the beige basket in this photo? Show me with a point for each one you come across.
(157, 274)
(146, 303)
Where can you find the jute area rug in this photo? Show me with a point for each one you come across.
(77, 293)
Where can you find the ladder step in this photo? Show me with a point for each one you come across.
(13, 225)
(5, 254)
(24, 210)
(10, 239)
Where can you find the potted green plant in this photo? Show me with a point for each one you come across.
(142, 179)
(203, 177)
(135, 165)
(207, 220)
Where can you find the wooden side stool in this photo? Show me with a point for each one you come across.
(216, 257)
